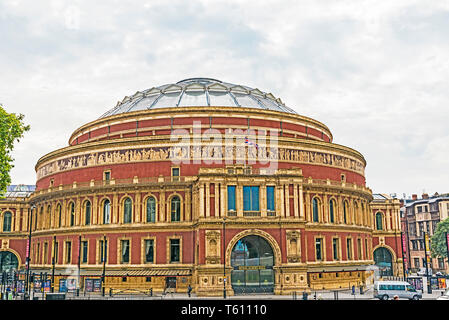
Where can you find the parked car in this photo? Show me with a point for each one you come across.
(444, 296)
(385, 290)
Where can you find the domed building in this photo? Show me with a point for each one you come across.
(207, 183)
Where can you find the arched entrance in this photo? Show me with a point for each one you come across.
(8, 261)
(384, 261)
(252, 261)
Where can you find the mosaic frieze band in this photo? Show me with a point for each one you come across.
(205, 153)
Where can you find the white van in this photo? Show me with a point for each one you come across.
(385, 290)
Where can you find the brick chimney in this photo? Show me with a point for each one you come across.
(425, 196)
(414, 197)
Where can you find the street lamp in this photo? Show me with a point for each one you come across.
(224, 257)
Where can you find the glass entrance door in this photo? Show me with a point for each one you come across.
(252, 260)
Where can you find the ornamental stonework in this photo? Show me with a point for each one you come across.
(196, 153)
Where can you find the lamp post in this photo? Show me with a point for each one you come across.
(53, 262)
(104, 266)
(224, 257)
(28, 259)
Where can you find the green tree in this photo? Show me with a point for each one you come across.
(438, 240)
(12, 129)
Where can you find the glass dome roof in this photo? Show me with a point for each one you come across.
(198, 92)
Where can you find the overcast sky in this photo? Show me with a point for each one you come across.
(375, 72)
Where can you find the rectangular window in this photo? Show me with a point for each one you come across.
(231, 198)
(270, 198)
(175, 174)
(45, 252)
(174, 250)
(250, 198)
(366, 249)
(149, 251)
(318, 249)
(359, 249)
(107, 175)
(103, 246)
(335, 249)
(84, 248)
(349, 249)
(124, 245)
(68, 252)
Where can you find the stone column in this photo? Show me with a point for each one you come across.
(295, 200)
(115, 209)
(301, 203)
(263, 199)
(207, 200)
(201, 199)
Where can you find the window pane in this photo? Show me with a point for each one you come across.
(246, 198)
(270, 198)
(125, 251)
(106, 212)
(127, 211)
(175, 209)
(151, 209)
(149, 251)
(88, 213)
(254, 198)
(331, 211)
(315, 210)
(231, 198)
(174, 250)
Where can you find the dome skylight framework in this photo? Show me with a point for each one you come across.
(199, 92)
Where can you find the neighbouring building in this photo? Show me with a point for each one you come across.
(199, 182)
(421, 216)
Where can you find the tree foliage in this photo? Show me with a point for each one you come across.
(12, 129)
(438, 240)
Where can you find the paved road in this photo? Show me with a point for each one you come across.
(318, 295)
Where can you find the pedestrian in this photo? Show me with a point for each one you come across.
(304, 295)
(353, 290)
(189, 290)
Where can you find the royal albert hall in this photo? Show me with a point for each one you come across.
(202, 183)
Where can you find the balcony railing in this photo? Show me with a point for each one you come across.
(112, 182)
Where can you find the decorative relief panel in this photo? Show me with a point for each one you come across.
(293, 246)
(209, 153)
(212, 247)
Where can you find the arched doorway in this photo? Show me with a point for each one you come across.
(8, 261)
(384, 261)
(252, 262)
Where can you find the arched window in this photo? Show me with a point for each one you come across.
(7, 218)
(175, 209)
(72, 214)
(48, 217)
(151, 209)
(127, 210)
(315, 209)
(356, 213)
(379, 221)
(59, 209)
(331, 211)
(345, 211)
(87, 212)
(106, 211)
